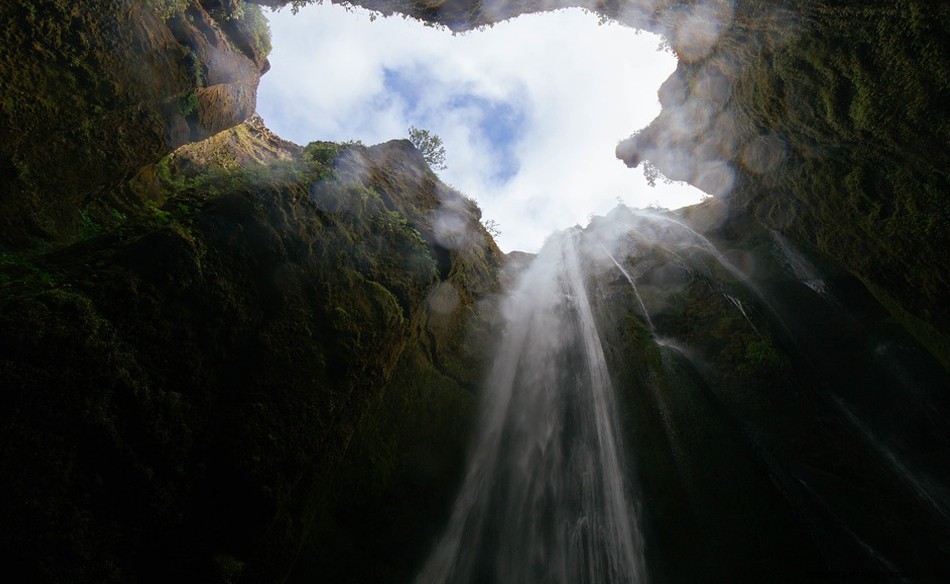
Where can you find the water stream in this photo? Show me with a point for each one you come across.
(758, 435)
(545, 497)
(800, 267)
(636, 292)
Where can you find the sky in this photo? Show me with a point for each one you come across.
(530, 110)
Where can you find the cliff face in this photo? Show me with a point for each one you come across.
(186, 385)
(92, 95)
(782, 426)
(200, 320)
(826, 123)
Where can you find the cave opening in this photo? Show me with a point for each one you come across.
(228, 358)
(530, 110)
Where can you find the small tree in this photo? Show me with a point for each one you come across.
(430, 145)
(652, 174)
(492, 227)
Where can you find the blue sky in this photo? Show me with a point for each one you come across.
(529, 110)
(499, 123)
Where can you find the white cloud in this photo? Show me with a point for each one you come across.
(579, 88)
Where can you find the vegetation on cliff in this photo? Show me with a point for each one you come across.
(90, 96)
(193, 374)
(858, 99)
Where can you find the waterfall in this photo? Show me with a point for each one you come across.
(741, 306)
(799, 266)
(907, 476)
(741, 277)
(545, 497)
(636, 292)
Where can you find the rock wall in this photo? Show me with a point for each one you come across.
(181, 390)
(824, 122)
(780, 425)
(92, 95)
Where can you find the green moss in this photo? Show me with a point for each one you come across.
(188, 104)
(87, 227)
(247, 27)
(321, 152)
(167, 9)
(259, 29)
(855, 96)
(25, 270)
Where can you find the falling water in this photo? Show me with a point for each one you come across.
(740, 276)
(741, 306)
(685, 239)
(798, 264)
(705, 244)
(544, 498)
(636, 292)
(905, 474)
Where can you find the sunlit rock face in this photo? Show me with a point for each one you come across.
(92, 95)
